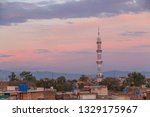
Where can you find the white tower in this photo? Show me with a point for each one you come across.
(99, 58)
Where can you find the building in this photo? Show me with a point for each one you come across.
(99, 90)
(37, 95)
(3, 85)
(99, 58)
(88, 96)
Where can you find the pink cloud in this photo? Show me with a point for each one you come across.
(59, 38)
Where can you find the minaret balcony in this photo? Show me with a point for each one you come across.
(99, 51)
(98, 42)
(99, 62)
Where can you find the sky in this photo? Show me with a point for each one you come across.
(60, 35)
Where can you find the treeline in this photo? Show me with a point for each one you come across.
(134, 79)
(60, 83)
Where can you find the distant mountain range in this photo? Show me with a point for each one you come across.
(45, 74)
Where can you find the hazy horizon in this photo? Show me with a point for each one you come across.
(60, 35)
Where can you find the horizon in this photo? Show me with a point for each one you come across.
(19, 71)
(60, 36)
(4, 75)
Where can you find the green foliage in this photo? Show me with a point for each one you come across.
(46, 83)
(60, 84)
(63, 87)
(12, 77)
(84, 78)
(26, 75)
(135, 79)
(111, 83)
(61, 80)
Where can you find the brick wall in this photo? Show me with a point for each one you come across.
(3, 85)
(45, 95)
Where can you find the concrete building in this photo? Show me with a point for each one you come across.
(88, 96)
(37, 95)
(99, 90)
(120, 97)
(40, 88)
(3, 85)
(12, 88)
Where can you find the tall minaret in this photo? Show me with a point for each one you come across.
(99, 58)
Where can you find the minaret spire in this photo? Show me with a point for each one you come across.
(98, 32)
(99, 58)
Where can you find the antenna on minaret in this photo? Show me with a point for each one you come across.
(98, 32)
(99, 58)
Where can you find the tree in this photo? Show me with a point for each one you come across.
(40, 83)
(135, 79)
(62, 84)
(84, 78)
(61, 80)
(43, 83)
(111, 83)
(47, 83)
(26, 75)
(12, 77)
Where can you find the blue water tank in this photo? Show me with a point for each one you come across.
(23, 87)
(137, 92)
(124, 90)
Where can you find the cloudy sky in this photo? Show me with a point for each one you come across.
(60, 35)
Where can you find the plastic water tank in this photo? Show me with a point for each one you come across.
(23, 87)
